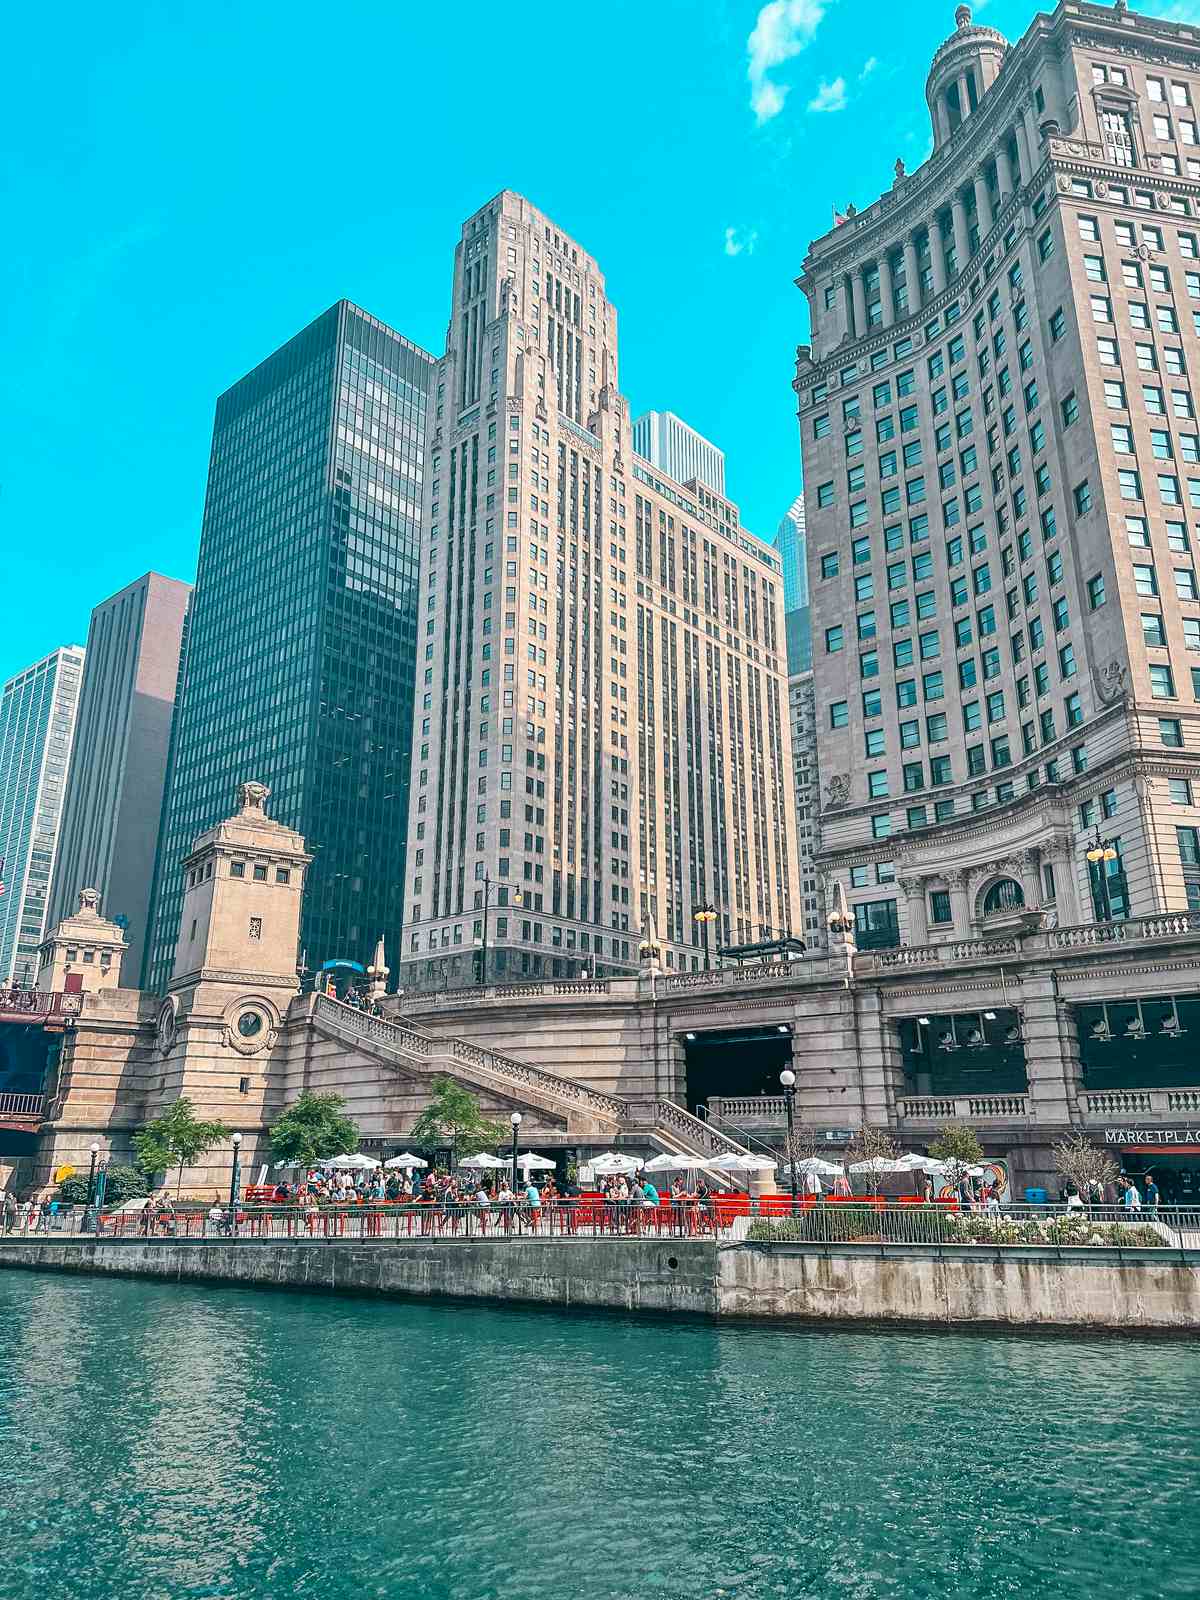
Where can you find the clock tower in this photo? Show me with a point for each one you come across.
(235, 973)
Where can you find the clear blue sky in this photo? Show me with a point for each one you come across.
(187, 186)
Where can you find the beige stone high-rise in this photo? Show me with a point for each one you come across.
(1002, 477)
(601, 723)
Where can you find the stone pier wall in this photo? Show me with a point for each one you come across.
(1017, 1287)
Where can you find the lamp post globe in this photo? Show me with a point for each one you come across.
(787, 1079)
(515, 1119)
(234, 1182)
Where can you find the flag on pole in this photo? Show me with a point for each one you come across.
(838, 218)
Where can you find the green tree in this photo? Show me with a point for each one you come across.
(453, 1118)
(313, 1129)
(122, 1183)
(958, 1146)
(176, 1139)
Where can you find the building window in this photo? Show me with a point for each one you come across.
(237, 869)
(876, 926)
(282, 875)
(256, 928)
(260, 873)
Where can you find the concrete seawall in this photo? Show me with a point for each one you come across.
(628, 1274)
(920, 1286)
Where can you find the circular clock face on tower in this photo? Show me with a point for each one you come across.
(166, 1026)
(250, 1024)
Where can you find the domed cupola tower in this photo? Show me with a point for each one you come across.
(963, 70)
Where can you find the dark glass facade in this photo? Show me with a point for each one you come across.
(300, 658)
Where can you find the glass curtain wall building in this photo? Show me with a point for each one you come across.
(300, 657)
(37, 725)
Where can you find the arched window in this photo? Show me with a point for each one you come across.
(1005, 895)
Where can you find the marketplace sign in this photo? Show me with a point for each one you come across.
(1182, 1139)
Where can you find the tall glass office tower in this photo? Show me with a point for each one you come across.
(37, 725)
(300, 658)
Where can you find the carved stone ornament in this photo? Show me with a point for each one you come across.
(250, 1027)
(1064, 183)
(167, 1025)
(89, 900)
(1143, 252)
(837, 791)
(252, 797)
(1110, 680)
(1101, 189)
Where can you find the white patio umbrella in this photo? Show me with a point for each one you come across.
(355, 1162)
(611, 1164)
(739, 1161)
(877, 1164)
(912, 1162)
(404, 1162)
(823, 1169)
(289, 1166)
(483, 1163)
(528, 1161)
(675, 1163)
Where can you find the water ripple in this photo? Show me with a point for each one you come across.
(170, 1443)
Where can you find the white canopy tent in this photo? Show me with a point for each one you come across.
(404, 1162)
(355, 1162)
(484, 1163)
(878, 1164)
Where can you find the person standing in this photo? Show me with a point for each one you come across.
(1151, 1195)
(1132, 1200)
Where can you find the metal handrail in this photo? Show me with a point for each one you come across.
(751, 1141)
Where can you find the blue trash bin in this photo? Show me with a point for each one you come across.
(1035, 1197)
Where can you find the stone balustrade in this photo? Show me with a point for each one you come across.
(758, 1110)
(980, 1109)
(1101, 1105)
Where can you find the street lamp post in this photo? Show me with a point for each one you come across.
(788, 1080)
(517, 899)
(705, 914)
(515, 1119)
(88, 1214)
(234, 1183)
(1099, 853)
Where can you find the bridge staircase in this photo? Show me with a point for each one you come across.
(589, 1115)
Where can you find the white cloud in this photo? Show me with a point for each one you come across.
(868, 67)
(829, 96)
(740, 241)
(781, 30)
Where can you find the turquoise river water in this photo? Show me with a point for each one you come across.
(181, 1442)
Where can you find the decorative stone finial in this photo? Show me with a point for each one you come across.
(899, 169)
(962, 17)
(252, 798)
(89, 901)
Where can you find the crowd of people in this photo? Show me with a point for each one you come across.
(1124, 1193)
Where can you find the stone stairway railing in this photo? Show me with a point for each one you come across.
(691, 1134)
(505, 1073)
